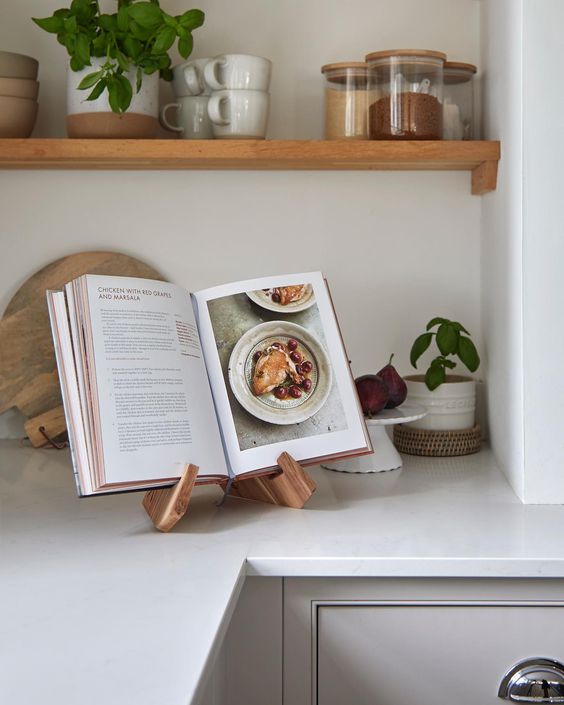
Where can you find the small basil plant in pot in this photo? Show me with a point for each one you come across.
(449, 398)
(115, 63)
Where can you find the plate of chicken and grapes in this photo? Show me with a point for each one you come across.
(284, 299)
(280, 373)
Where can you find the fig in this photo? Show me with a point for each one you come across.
(373, 394)
(395, 384)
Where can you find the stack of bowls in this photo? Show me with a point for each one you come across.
(18, 94)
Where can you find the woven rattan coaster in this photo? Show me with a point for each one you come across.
(437, 444)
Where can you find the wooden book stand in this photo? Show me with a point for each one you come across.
(291, 486)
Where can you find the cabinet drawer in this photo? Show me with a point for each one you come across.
(428, 654)
(414, 641)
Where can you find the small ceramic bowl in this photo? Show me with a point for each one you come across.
(17, 116)
(19, 88)
(18, 66)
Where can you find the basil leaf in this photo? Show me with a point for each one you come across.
(185, 45)
(419, 346)
(435, 321)
(98, 90)
(132, 47)
(192, 19)
(125, 93)
(122, 60)
(163, 42)
(447, 339)
(113, 95)
(83, 49)
(108, 23)
(434, 377)
(81, 8)
(146, 14)
(54, 25)
(76, 64)
(90, 80)
(123, 18)
(468, 354)
(70, 24)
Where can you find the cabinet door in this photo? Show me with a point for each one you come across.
(428, 654)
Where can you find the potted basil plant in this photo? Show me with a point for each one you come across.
(450, 399)
(115, 63)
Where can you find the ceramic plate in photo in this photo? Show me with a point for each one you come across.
(263, 298)
(266, 406)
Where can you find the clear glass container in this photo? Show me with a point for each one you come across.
(458, 103)
(346, 100)
(406, 94)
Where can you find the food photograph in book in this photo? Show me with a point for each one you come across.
(275, 365)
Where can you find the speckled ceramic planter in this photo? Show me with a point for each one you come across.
(95, 119)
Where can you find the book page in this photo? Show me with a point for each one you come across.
(279, 372)
(151, 396)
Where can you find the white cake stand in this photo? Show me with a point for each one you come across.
(385, 456)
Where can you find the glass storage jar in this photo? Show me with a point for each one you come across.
(406, 94)
(346, 100)
(458, 103)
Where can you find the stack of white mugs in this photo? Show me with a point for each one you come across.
(225, 97)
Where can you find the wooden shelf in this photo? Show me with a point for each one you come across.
(481, 158)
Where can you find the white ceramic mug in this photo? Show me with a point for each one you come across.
(239, 114)
(238, 72)
(188, 78)
(192, 118)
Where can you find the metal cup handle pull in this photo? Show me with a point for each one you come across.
(535, 680)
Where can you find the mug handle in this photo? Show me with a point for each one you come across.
(163, 119)
(210, 74)
(192, 81)
(214, 109)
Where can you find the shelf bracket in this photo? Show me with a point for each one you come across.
(484, 178)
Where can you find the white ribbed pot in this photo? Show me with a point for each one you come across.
(95, 119)
(451, 406)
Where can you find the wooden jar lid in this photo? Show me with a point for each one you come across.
(344, 65)
(412, 53)
(459, 65)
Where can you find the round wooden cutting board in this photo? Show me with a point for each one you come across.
(28, 375)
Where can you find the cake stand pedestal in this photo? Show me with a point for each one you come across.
(385, 456)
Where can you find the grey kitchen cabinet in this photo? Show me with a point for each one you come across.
(412, 641)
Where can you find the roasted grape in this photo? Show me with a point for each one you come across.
(256, 356)
(295, 357)
(292, 344)
(307, 385)
(307, 367)
(281, 392)
(275, 297)
(295, 391)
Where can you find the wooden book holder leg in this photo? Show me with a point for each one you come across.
(291, 487)
(166, 506)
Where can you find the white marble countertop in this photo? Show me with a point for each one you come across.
(97, 607)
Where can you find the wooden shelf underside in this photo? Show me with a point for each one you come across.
(479, 157)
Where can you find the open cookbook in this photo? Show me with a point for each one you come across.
(154, 377)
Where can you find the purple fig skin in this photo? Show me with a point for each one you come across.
(397, 388)
(373, 394)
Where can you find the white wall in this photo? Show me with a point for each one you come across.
(398, 248)
(502, 235)
(543, 252)
(523, 244)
